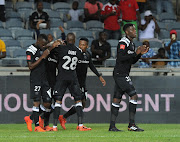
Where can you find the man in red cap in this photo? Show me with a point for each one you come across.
(173, 49)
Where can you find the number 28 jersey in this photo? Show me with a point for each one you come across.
(68, 56)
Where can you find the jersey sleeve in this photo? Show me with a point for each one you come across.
(92, 67)
(122, 52)
(3, 46)
(136, 5)
(29, 56)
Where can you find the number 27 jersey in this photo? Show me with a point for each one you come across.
(68, 57)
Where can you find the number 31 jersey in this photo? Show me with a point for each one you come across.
(68, 56)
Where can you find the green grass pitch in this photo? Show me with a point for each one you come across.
(99, 133)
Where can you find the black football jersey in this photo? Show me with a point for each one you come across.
(68, 56)
(37, 74)
(83, 63)
(51, 66)
(126, 56)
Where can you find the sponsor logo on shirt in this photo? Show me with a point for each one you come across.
(122, 46)
(130, 52)
(81, 61)
(28, 57)
(36, 58)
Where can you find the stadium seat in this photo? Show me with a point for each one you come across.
(14, 24)
(113, 43)
(5, 34)
(10, 62)
(13, 15)
(23, 34)
(19, 53)
(24, 6)
(1, 25)
(9, 53)
(12, 44)
(113, 52)
(162, 26)
(46, 31)
(58, 33)
(155, 44)
(174, 25)
(55, 24)
(94, 25)
(75, 25)
(137, 43)
(9, 6)
(61, 6)
(164, 35)
(110, 62)
(86, 34)
(55, 15)
(47, 7)
(167, 17)
(26, 43)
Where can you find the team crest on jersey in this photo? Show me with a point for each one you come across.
(122, 46)
(28, 57)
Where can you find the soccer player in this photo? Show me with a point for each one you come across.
(39, 86)
(126, 56)
(67, 78)
(81, 71)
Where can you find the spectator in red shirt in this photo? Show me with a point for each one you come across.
(110, 14)
(92, 10)
(130, 10)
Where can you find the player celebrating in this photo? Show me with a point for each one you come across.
(126, 56)
(81, 71)
(39, 86)
(68, 56)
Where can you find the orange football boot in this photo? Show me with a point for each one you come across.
(28, 122)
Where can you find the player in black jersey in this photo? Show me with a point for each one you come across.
(39, 86)
(81, 71)
(126, 56)
(68, 56)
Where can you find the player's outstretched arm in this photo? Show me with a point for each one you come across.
(102, 80)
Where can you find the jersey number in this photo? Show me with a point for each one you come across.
(37, 88)
(70, 63)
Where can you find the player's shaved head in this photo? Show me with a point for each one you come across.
(71, 38)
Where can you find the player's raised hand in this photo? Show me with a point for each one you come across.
(56, 44)
(138, 51)
(102, 80)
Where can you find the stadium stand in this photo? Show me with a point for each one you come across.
(17, 34)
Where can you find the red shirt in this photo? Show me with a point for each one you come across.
(92, 8)
(128, 9)
(111, 23)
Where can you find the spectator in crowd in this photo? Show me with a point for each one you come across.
(2, 49)
(164, 6)
(2, 11)
(148, 27)
(145, 57)
(130, 14)
(101, 49)
(92, 10)
(110, 14)
(160, 55)
(39, 19)
(173, 49)
(75, 14)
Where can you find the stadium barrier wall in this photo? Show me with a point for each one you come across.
(159, 100)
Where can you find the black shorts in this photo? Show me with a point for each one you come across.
(40, 91)
(62, 85)
(123, 84)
